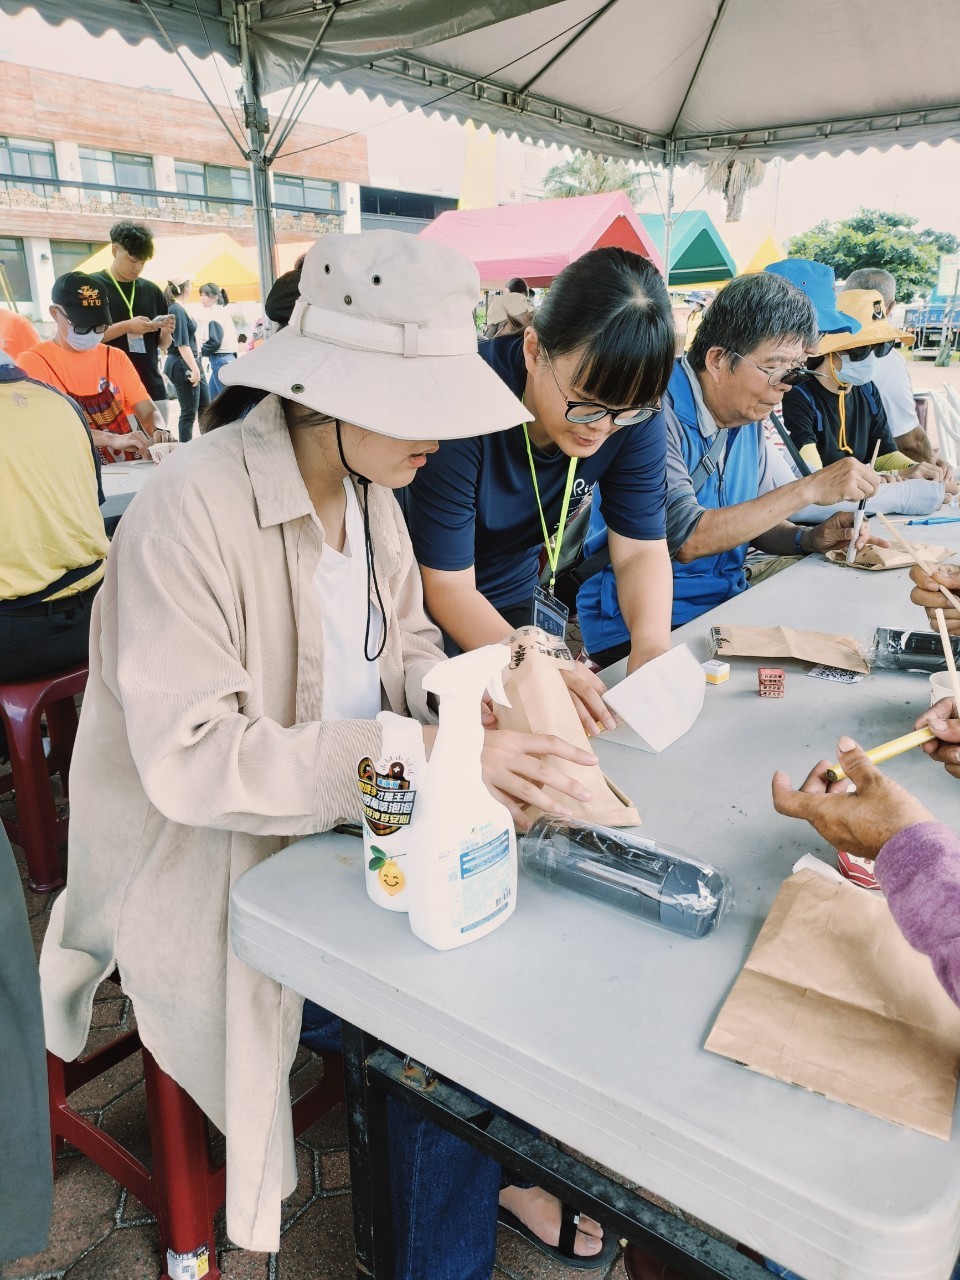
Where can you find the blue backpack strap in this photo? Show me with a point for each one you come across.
(802, 391)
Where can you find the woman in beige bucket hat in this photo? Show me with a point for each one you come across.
(261, 604)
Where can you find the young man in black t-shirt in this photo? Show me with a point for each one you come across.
(141, 326)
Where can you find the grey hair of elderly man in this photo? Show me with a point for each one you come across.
(874, 278)
(750, 311)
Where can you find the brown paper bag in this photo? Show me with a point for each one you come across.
(833, 998)
(784, 642)
(871, 557)
(540, 703)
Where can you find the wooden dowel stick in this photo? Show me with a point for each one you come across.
(917, 558)
(888, 750)
(948, 654)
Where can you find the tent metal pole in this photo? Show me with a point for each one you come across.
(668, 215)
(255, 120)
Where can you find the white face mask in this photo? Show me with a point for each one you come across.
(82, 341)
(855, 373)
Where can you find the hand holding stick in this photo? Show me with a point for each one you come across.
(858, 514)
(917, 558)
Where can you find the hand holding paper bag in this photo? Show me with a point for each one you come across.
(540, 703)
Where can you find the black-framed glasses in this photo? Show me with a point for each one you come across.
(878, 349)
(785, 377)
(581, 412)
(83, 330)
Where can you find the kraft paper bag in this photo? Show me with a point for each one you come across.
(784, 642)
(659, 702)
(834, 999)
(540, 703)
(875, 558)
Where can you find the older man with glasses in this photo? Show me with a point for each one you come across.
(727, 488)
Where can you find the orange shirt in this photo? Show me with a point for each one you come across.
(17, 334)
(79, 373)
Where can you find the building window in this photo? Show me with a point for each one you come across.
(14, 277)
(67, 255)
(127, 174)
(201, 180)
(309, 194)
(20, 158)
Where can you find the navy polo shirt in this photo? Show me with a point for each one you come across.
(474, 502)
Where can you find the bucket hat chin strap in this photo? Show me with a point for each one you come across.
(364, 484)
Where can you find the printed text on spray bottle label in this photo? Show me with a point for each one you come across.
(476, 886)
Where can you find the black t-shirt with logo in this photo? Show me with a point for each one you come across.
(147, 300)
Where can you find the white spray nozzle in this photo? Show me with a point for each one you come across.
(471, 673)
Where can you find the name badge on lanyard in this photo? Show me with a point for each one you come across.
(136, 345)
(549, 613)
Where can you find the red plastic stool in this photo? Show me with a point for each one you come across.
(37, 830)
(186, 1188)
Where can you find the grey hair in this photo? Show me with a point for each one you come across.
(874, 278)
(752, 310)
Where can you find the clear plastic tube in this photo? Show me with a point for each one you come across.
(911, 650)
(633, 873)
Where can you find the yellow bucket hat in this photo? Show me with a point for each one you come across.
(865, 305)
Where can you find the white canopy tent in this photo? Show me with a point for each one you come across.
(693, 80)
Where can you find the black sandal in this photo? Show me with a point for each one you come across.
(564, 1251)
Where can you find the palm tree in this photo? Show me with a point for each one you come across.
(587, 174)
(733, 179)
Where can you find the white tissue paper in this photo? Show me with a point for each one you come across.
(658, 703)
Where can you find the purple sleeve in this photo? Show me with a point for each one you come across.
(919, 872)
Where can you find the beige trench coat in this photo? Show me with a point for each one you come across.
(201, 751)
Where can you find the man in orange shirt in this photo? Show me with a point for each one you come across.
(17, 334)
(102, 380)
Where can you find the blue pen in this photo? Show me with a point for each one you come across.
(936, 520)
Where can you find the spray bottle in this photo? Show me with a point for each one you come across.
(463, 860)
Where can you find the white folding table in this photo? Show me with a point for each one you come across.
(590, 1024)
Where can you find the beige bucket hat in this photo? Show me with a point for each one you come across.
(383, 336)
(867, 306)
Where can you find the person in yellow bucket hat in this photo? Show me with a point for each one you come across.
(839, 413)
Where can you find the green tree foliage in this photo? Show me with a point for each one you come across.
(589, 175)
(874, 238)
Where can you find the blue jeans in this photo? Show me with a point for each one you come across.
(217, 362)
(443, 1192)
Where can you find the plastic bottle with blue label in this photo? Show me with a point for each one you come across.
(463, 856)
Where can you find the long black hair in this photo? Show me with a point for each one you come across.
(611, 305)
(212, 290)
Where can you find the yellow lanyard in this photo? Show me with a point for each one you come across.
(552, 549)
(133, 292)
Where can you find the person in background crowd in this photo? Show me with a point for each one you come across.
(17, 334)
(232, 694)
(838, 413)
(283, 296)
(140, 325)
(591, 368)
(101, 379)
(507, 313)
(748, 352)
(518, 285)
(220, 344)
(183, 362)
(51, 530)
(891, 376)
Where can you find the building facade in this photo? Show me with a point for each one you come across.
(78, 155)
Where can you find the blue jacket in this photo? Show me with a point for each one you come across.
(709, 580)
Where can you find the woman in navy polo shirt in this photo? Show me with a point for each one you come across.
(591, 367)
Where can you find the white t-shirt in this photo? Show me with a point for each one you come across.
(351, 684)
(892, 379)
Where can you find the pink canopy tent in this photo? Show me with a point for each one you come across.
(536, 241)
